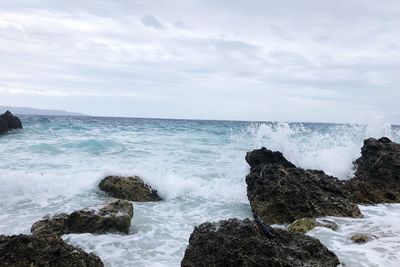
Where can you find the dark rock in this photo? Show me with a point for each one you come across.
(263, 156)
(129, 188)
(360, 238)
(240, 243)
(116, 216)
(55, 225)
(13, 122)
(40, 251)
(377, 176)
(305, 225)
(3, 126)
(281, 193)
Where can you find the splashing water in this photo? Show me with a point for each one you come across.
(55, 163)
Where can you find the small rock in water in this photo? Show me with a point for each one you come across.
(116, 216)
(360, 238)
(129, 188)
(9, 122)
(240, 243)
(38, 251)
(305, 225)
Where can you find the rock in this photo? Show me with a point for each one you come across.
(3, 126)
(360, 238)
(260, 157)
(240, 243)
(40, 251)
(56, 225)
(129, 188)
(377, 176)
(305, 225)
(13, 122)
(280, 193)
(116, 216)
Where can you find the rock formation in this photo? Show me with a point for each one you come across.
(116, 216)
(41, 251)
(241, 243)
(377, 176)
(9, 122)
(279, 192)
(129, 188)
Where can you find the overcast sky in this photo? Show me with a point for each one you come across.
(328, 61)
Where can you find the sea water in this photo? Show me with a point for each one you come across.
(54, 165)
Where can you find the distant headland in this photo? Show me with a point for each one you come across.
(34, 111)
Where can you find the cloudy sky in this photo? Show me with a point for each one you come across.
(336, 61)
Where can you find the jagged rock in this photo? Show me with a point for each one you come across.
(360, 238)
(40, 251)
(9, 122)
(129, 188)
(305, 225)
(116, 216)
(377, 176)
(240, 243)
(281, 193)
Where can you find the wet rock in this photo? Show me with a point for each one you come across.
(377, 176)
(305, 225)
(360, 238)
(3, 126)
(280, 193)
(55, 225)
(240, 243)
(129, 188)
(9, 122)
(260, 157)
(40, 251)
(116, 216)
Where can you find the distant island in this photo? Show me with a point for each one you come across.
(34, 111)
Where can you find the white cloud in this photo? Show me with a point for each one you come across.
(259, 60)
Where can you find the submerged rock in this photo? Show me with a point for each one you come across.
(305, 225)
(116, 216)
(9, 122)
(129, 188)
(40, 251)
(240, 243)
(279, 192)
(360, 238)
(377, 176)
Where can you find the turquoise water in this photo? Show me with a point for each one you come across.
(55, 163)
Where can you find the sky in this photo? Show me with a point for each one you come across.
(322, 61)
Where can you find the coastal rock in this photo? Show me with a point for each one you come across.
(305, 225)
(360, 238)
(240, 243)
(129, 188)
(280, 193)
(116, 216)
(377, 176)
(3, 126)
(56, 225)
(40, 251)
(10, 120)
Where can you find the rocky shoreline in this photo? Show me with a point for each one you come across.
(278, 191)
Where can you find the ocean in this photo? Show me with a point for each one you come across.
(54, 165)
